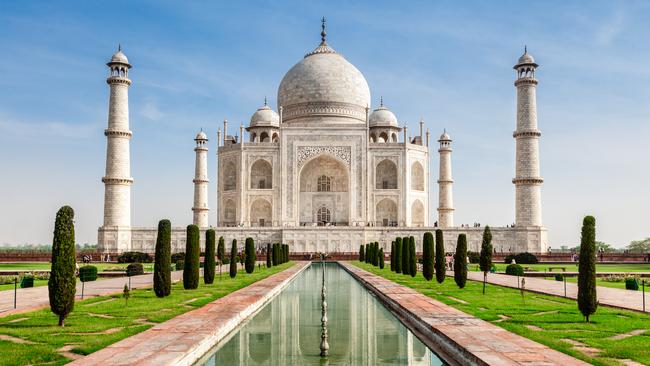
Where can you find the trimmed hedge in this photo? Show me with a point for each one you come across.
(631, 284)
(134, 257)
(269, 262)
(441, 261)
(362, 256)
(392, 255)
(61, 285)
(460, 261)
(221, 250)
(251, 256)
(233, 259)
(381, 258)
(192, 258)
(406, 267)
(559, 277)
(87, 273)
(474, 257)
(28, 281)
(521, 258)
(413, 261)
(398, 255)
(210, 264)
(134, 269)
(514, 270)
(180, 264)
(162, 275)
(427, 256)
(587, 300)
(178, 256)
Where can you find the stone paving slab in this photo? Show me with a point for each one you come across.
(449, 331)
(187, 337)
(619, 298)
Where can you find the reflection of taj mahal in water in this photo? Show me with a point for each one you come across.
(287, 330)
(325, 172)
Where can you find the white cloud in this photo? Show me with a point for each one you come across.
(151, 111)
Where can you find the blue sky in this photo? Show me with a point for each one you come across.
(195, 63)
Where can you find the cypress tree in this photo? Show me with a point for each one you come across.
(427, 256)
(233, 259)
(361, 253)
(269, 263)
(192, 258)
(221, 249)
(62, 283)
(209, 263)
(485, 261)
(274, 254)
(398, 255)
(162, 275)
(392, 252)
(381, 258)
(367, 257)
(406, 267)
(251, 256)
(460, 261)
(413, 258)
(587, 298)
(376, 253)
(286, 256)
(441, 263)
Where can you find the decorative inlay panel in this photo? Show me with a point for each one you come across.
(306, 152)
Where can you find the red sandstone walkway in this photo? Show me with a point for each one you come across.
(626, 299)
(187, 337)
(484, 343)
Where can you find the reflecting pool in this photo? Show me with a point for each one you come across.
(287, 331)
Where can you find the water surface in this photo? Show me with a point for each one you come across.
(287, 331)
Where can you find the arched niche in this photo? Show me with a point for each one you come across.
(417, 213)
(386, 175)
(261, 175)
(386, 212)
(230, 177)
(324, 183)
(261, 213)
(229, 212)
(417, 177)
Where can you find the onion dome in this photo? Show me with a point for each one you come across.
(265, 117)
(526, 59)
(382, 117)
(323, 83)
(201, 136)
(445, 136)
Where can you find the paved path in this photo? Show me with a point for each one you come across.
(625, 299)
(469, 340)
(37, 297)
(186, 338)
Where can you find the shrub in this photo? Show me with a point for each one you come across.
(178, 256)
(286, 251)
(210, 264)
(251, 256)
(87, 273)
(361, 253)
(427, 256)
(559, 277)
(514, 270)
(221, 250)
(162, 276)
(233, 259)
(28, 281)
(134, 257)
(366, 257)
(398, 255)
(381, 258)
(269, 263)
(134, 269)
(522, 258)
(62, 284)
(413, 262)
(485, 261)
(192, 258)
(631, 283)
(441, 261)
(392, 256)
(587, 301)
(460, 261)
(406, 268)
(474, 257)
(180, 264)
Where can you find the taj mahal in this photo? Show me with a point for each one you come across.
(324, 171)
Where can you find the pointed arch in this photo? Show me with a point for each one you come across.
(230, 177)
(229, 212)
(386, 175)
(261, 175)
(386, 212)
(417, 176)
(417, 213)
(261, 213)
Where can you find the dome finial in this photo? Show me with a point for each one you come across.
(381, 101)
(265, 101)
(525, 49)
(323, 34)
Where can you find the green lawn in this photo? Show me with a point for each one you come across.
(41, 266)
(601, 282)
(88, 332)
(10, 286)
(558, 318)
(573, 267)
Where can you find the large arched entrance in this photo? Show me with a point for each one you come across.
(324, 197)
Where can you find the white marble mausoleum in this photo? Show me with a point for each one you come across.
(325, 171)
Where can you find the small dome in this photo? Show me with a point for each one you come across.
(526, 58)
(445, 136)
(201, 136)
(382, 117)
(119, 57)
(265, 117)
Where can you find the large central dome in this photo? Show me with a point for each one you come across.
(324, 84)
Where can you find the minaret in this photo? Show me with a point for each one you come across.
(117, 181)
(200, 209)
(445, 182)
(528, 205)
